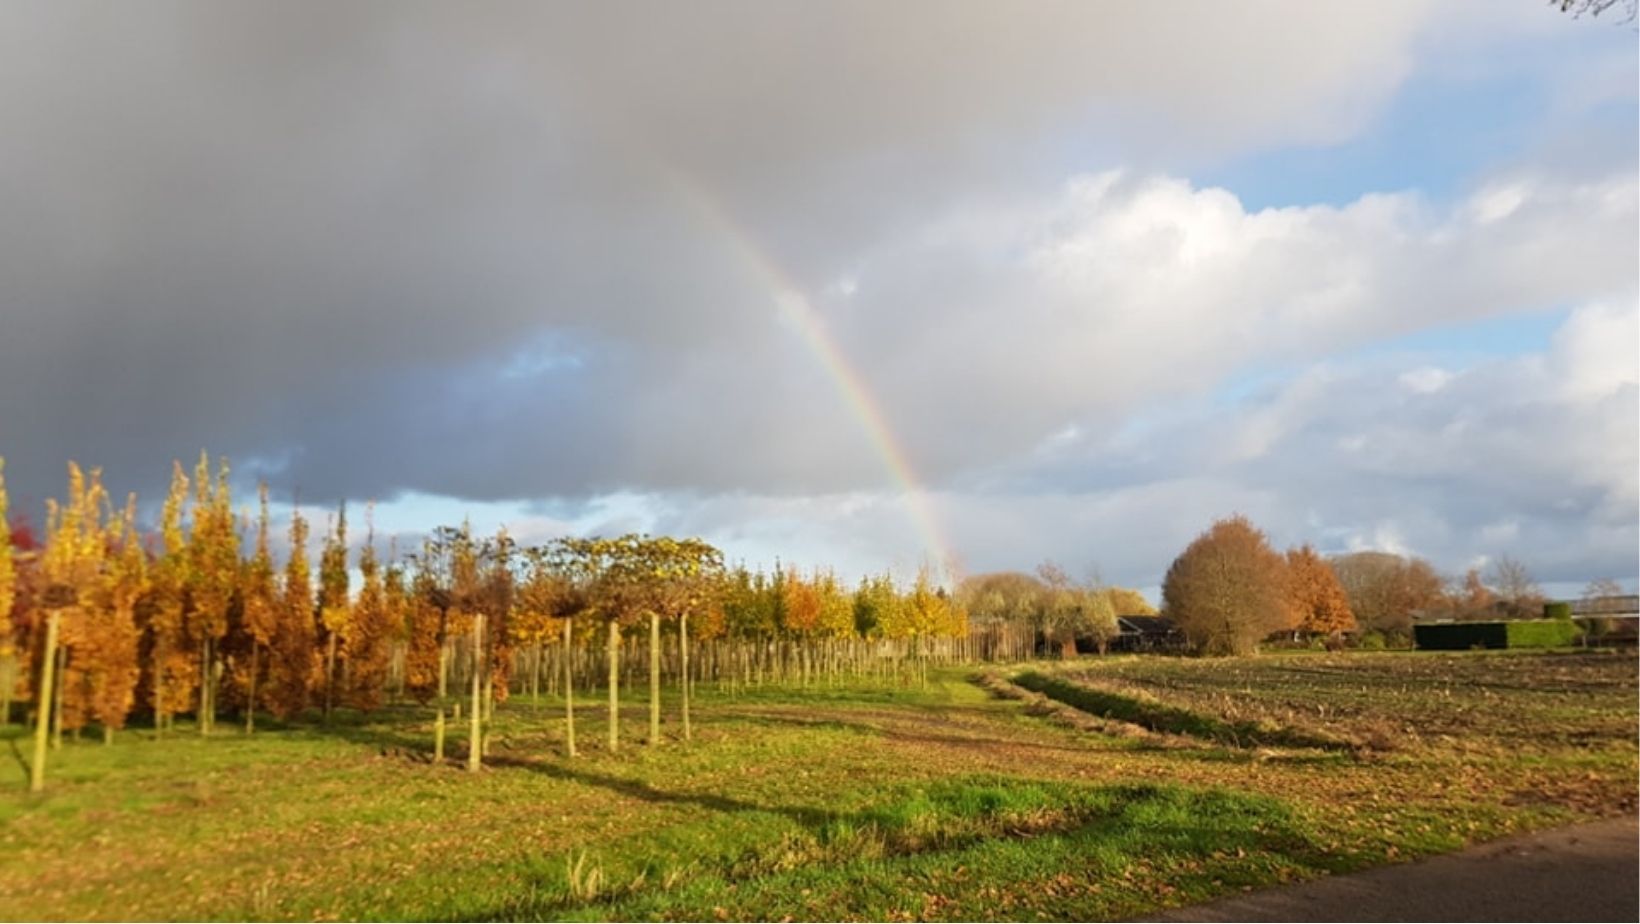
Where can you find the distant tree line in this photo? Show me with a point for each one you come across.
(1025, 612)
(103, 623)
(1230, 591)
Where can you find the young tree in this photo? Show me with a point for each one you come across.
(118, 664)
(497, 595)
(877, 606)
(623, 593)
(575, 565)
(8, 576)
(1314, 594)
(213, 560)
(428, 619)
(487, 595)
(335, 609)
(800, 604)
(686, 574)
(1520, 595)
(396, 603)
(367, 650)
(836, 606)
(1226, 590)
(8, 596)
(260, 609)
(534, 622)
(291, 654)
(173, 672)
(74, 564)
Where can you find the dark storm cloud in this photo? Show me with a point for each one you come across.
(514, 252)
(307, 232)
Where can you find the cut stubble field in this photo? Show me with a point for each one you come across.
(1190, 779)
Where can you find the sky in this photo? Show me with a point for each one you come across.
(852, 284)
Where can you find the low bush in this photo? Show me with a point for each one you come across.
(1557, 610)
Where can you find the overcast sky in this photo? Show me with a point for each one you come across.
(1103, 272)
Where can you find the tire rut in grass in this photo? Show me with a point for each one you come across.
(1153, 714)
(1069, 716)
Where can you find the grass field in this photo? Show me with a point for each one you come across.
(871, 801)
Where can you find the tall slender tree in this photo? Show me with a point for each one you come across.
(74, 564)
(213, 553)
(8, 568)
(335, 609)
(118, 665)
(622, 588)
(261, 610)
(396, 598)
(367, 646)
(684, 577)
(173, 672)
(8, 596)
(291, 651)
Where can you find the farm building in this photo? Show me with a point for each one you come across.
(1147, 633)
(1609, 620)
(1624, 607)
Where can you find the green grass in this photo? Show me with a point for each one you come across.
(866, 801)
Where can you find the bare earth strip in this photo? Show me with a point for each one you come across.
(1588, 872)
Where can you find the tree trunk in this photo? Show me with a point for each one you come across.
(330, 674)
(569, 689)
(489, 710)
(535, 676)
(475, 747)
(683, 661)
(443, 671)
(56, 711)
(614, 685)
(8, 676)
(654, 679)
(207, 689)
(158, 671)
(250, 696)
(438, 738)
(48, 666)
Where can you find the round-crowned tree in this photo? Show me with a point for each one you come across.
(1226, 591)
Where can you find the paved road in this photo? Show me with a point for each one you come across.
(1589, 872)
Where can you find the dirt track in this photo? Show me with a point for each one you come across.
(1589, 872)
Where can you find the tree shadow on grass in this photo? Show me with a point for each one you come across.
(1131, 823)
(978, 742)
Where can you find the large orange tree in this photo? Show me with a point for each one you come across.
(1227, 590)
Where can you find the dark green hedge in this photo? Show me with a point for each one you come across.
(1557, 610)
(1543, 633)
(1524, 633)
(1460, 636)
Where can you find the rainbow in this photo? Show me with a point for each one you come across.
(796, 308)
